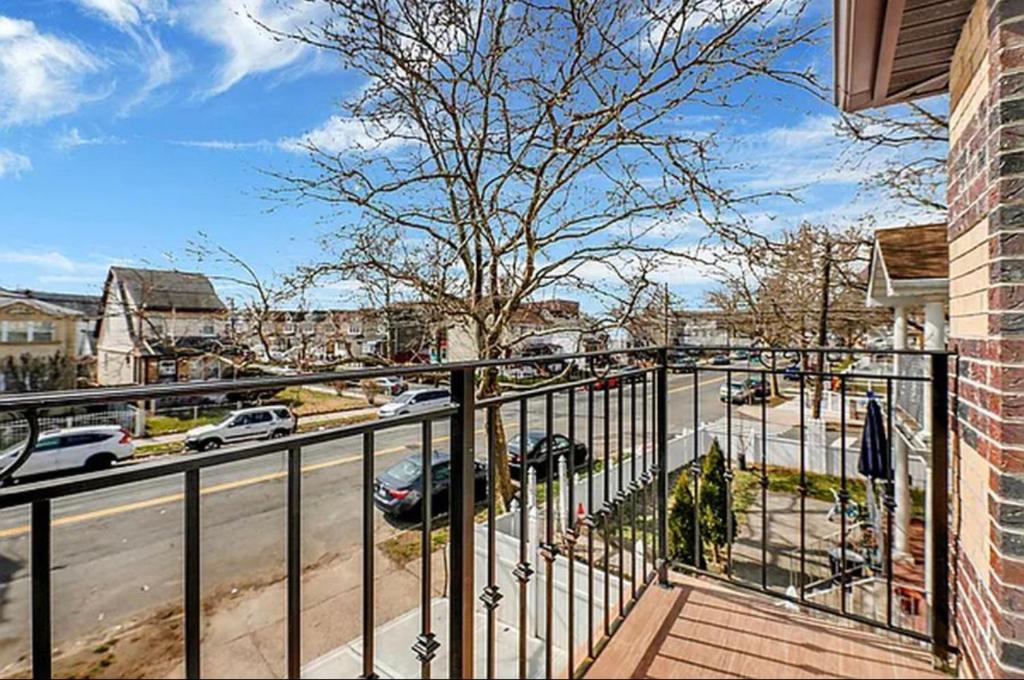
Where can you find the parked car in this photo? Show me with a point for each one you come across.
(791, 372)
(720, 360)
(392, 386)
(415, 401)
(95, 447)
(737, 391)
(758, 389)
(607, 383)
(522, 372)
(258, 422)
(399, 490)
(537, 451)
(683, 364)
(741, 355)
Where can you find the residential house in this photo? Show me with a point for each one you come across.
(557, 324)
(33, 329)
(161, 326)
(87, 306)
(310, 337)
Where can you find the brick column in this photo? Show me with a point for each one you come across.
(986, 234)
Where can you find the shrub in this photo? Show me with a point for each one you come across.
(681, 522)
(714, 501)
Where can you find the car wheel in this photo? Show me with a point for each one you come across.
(210, 445)
(101, 461)
(277, 434)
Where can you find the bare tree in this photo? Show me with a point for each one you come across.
(910, 143)
(507, 147)
(799, 290)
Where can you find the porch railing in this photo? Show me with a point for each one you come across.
(616, 534)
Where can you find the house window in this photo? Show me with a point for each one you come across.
(208, 330)
(15, 331)
(43, 331)
(289, 328)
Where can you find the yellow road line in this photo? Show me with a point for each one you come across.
(674, 390)
(112, 511)
(14, 532)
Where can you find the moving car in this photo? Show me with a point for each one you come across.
(791, 372)
(537, 451)
(737, 391)
(94, 447)
(258, 422)
(720, 360)
(399, 490)
(415, 401)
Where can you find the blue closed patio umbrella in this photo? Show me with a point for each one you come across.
(874, 445)
(874, 458)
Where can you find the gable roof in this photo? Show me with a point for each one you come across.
(909, 265)
(165, 290)
(915, 252)
(48, 308)
(88, 305)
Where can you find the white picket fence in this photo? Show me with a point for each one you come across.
(15, 430)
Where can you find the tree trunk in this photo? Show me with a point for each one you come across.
(498, 457)
(826, 274)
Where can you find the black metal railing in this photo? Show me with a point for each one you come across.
(804, 367)
(627, 509)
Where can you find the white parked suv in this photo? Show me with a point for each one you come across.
(258, 422)
(94, 447)
(415, 401)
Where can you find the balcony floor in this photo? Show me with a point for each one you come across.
(701, 629)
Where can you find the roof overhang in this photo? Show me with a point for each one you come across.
(885, 291)
(891, 51)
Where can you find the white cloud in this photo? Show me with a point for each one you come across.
(41, 75)
(127, 13)
(339, 134)
(72, 138)
(234, 25)
(51, 260)
(13, 164)
(225, 145)
(135, 18)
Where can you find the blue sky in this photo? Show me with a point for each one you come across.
(127, 127)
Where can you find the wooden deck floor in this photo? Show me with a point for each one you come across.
(701, 629)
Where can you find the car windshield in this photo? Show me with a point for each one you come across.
(737, 385)
(403, 398)
(405, 472)
(531, 440)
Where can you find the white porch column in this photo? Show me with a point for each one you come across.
(901, 461)
(934, 338)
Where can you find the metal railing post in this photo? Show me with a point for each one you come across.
(939, 506)
(661, 399)
(460, 653)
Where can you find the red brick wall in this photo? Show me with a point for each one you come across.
(986, 232)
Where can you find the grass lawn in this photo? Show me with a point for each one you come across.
(307, 402)
(158, 425)
(746, 487)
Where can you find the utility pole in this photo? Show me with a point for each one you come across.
(826, 276)
(666, 343)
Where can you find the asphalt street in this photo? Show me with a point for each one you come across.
(117, 553)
